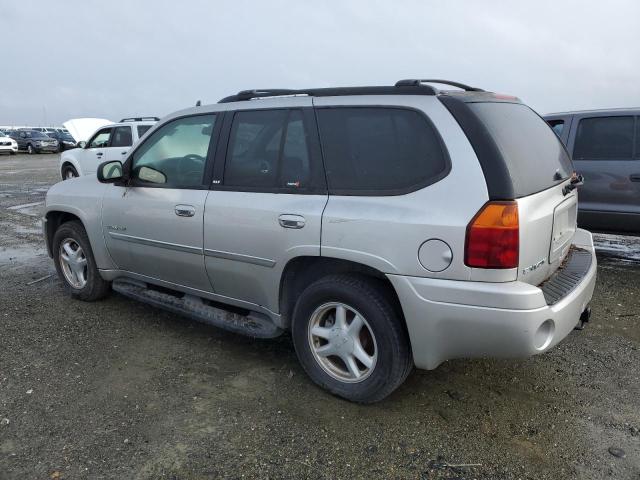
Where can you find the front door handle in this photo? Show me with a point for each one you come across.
(634, 177)
(99, 154)
(291, 221)
(185, 210)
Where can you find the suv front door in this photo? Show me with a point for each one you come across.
(606, 151)
(94, 153)
(266, 202)
(153, 226)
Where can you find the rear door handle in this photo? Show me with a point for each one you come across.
(123, 153)
(99, 154)
(185, 210)
(291, 221)
(634, 177)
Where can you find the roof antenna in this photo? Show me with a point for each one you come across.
(198, 103)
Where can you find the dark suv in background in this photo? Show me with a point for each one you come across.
(605, 145)
(34, 142)
(65, 140)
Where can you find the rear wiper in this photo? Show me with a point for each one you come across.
(576, 181)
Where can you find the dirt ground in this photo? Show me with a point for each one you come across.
(118, 389)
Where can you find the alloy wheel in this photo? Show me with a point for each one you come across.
(342, 342)
(74, 263)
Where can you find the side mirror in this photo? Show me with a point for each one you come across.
(81, 144)
(110, 172)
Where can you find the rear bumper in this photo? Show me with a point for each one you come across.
(456, 319)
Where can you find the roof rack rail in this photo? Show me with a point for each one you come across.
(139, 119)
(412, 89)
(414, 82)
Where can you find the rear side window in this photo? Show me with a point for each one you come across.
(379, 151)
(604, 138)
(121, 137)
(268, 150)
(533, 154)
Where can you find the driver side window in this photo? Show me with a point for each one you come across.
(176, 154)
(100, 139)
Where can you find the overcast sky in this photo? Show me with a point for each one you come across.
(119, 58)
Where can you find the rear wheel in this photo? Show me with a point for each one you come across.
(350, 338)
(75, 263)
(69, 172)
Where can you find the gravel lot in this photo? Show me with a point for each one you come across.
(118, 389)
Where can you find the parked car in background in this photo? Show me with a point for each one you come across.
(65, 140)
(605, 146)
(7, 144)
(111, 142)
(385, 227)
(34, 141)
(44, 129)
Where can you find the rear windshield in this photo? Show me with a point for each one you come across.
(531, 150)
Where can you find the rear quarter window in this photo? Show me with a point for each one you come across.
(531, 150)
(142, 129)
(557, 126)
(379, 150)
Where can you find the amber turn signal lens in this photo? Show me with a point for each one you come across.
(493, 237)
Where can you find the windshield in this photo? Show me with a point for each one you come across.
(533, 153)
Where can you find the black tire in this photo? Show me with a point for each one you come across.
(12, 153)
(96, 287)
(371, 298)
(68, 169)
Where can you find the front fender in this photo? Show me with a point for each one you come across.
(70, 157)
(81, 198)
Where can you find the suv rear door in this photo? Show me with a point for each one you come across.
(606, 151)
(266, 202)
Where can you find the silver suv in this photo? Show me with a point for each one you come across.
(384, 227)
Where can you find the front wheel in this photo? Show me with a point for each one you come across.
(350, 338)
(69, 172)
(75, 263)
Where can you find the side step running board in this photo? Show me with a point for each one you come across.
(253, 325)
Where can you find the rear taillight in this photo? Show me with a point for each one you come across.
(493, 237)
